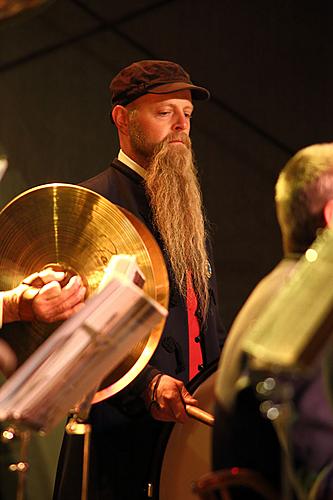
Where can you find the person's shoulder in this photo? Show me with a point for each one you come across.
(274, 280)
(97, 179)
(260, 297)
(104, 181)
(117, 172)
(118, 183)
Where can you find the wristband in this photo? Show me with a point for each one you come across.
(153, 401)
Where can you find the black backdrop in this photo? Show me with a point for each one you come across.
(267, 64)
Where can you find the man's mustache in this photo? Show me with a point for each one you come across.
(178, 137)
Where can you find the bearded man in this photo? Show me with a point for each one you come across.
(155, 178)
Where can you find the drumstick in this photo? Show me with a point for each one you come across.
(199, 414)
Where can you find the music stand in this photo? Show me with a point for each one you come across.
(303, 306)
(74, 360)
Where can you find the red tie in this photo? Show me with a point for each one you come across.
(194, 349)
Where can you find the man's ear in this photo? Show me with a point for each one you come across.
(120, 118)
(328, 213)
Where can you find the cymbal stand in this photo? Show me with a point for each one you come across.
(78, 425)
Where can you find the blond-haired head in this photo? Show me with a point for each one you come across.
(303, 189)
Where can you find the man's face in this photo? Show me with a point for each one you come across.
(154, 131)
(153, 118)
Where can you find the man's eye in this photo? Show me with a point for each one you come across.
(164, 113)
(188, 115)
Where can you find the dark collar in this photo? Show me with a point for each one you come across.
(127, 171)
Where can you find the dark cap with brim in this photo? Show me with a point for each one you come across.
(152, 77)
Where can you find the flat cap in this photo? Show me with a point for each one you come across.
(152, 77)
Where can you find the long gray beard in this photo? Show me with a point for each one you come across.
(175, 198)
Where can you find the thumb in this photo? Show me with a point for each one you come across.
(48, 275)
(187, 398)
(50, 290)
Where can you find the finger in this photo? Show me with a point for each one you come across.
(188, 398)
(170, 397)
(171, 406)
(178, 402)
(52, 310)
(49, 291)
(178, 409)
(68, 313)
(54, 304)
(173, 412)
(74, 282)
(48, 275)
(72, 293)
(72, 286)
(179, 414)
(161, 414)
(68, 299)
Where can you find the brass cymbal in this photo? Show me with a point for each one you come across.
(81, 230)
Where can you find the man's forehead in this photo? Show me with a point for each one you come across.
(181, 97)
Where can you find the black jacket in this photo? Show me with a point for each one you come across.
(124, 187)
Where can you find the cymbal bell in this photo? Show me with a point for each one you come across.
(80, 230)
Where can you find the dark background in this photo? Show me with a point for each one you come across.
(268, 65)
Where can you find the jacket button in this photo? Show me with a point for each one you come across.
(197, 339)
(200, 367)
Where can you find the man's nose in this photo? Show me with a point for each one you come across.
(181, 123)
